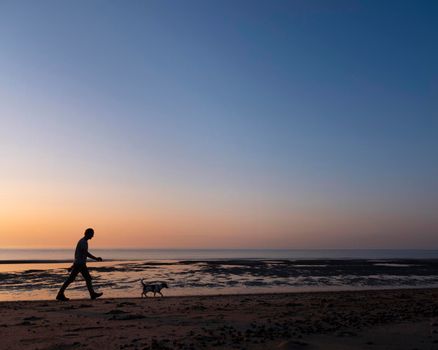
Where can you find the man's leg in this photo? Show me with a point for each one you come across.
(74, 272)
(87, 277)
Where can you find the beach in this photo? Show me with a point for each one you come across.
(38, 280)
(372, 319)
(230, 175)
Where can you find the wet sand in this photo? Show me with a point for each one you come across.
(121, 279)
(390, 319)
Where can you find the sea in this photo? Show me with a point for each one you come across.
(37, 274)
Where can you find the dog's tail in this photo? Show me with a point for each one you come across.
(142, 282)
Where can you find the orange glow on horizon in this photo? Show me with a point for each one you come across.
(41, 217)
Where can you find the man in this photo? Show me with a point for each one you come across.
(80, 265)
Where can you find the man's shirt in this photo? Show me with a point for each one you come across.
(81, 251)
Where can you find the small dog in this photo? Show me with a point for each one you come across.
(154, 288)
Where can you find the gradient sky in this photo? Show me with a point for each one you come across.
(219, 124)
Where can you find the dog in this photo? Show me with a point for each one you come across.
(154, 288)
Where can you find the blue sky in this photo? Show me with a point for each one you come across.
(303, 107)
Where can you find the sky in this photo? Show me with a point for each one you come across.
(219, 124)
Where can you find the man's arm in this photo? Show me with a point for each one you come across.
(91, 256)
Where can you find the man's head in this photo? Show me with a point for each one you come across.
(89, 233)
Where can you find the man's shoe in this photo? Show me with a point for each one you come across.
(62, 297)
(96, 295)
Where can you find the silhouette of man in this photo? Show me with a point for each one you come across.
(80, 265)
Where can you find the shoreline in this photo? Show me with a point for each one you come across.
(317, 290)
(231, 276)
(373, 319)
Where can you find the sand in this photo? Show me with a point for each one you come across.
(231, 276)
(390, 319)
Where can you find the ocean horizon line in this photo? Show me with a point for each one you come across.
(223, 249)
(51, 255)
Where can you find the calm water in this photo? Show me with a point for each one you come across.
(37, 274)
(205, 254)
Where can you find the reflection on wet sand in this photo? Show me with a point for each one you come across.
(122, 278)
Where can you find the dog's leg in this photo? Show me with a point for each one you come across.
(161, 294)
